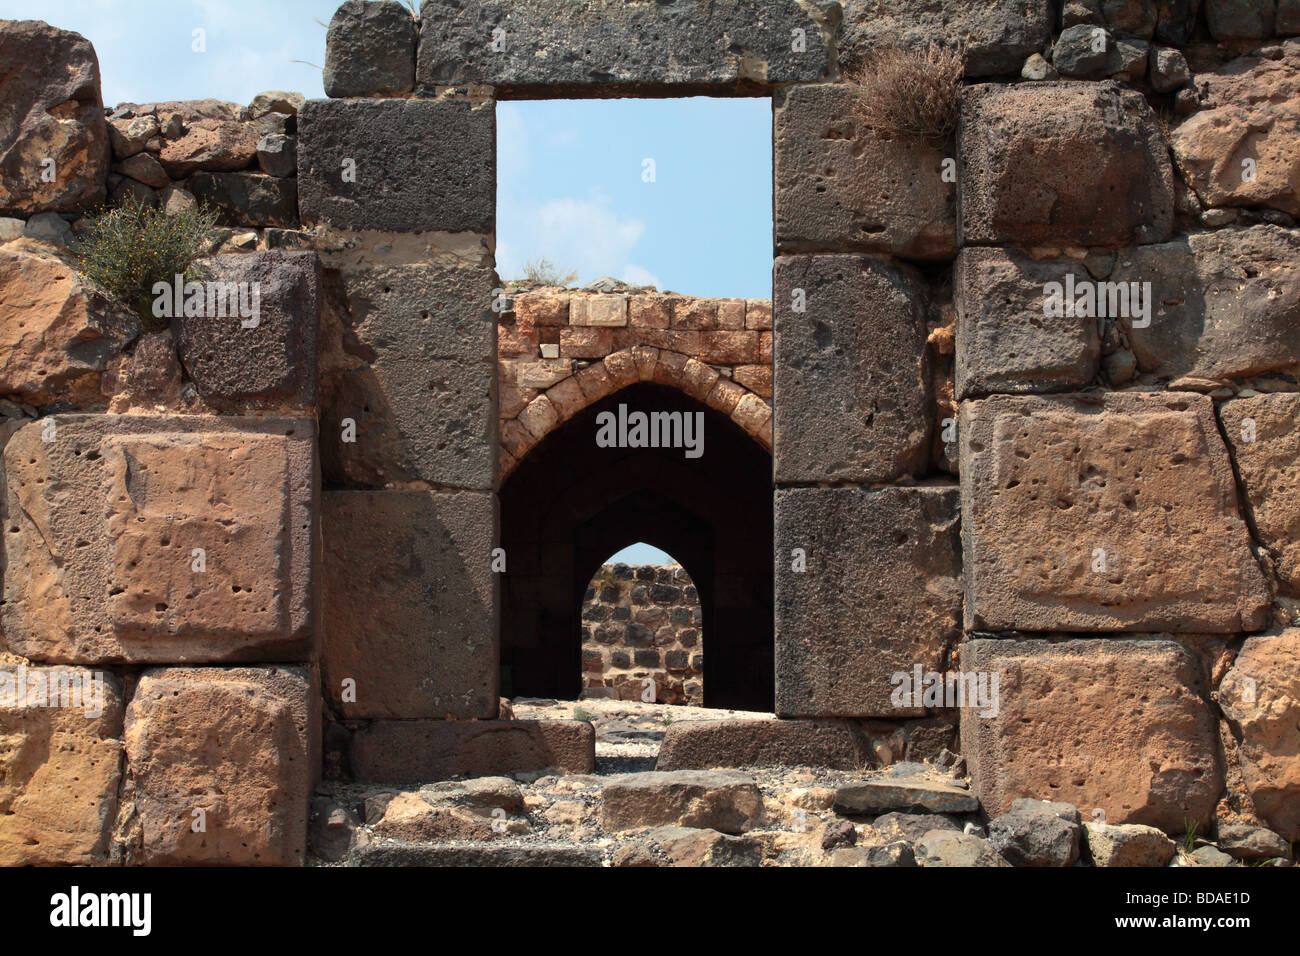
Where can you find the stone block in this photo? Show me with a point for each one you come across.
(412, 165)
(425, 406)
(60, 765)
(1005, 342)
(598, 310)
(1062, 161)
(725, 801)
(849, 371)
(370, 49)
(248, 198)
(604, 47)
(842, 186)
(845, 625)
(161, 539)
(1117, 725)
(410, 603)
(240, 744)
(269, 358)
(399, 751)
(1264, 437)
(1113, 512)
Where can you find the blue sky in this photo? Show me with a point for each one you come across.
(572, 183)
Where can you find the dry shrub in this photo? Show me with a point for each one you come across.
(911, 94)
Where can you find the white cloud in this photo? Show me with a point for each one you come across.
(636, 275)
(582, 235)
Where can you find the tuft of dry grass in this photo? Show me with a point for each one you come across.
(911, 94)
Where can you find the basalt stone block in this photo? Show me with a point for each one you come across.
(370, 49)
(401, 853)
(997, 35)
(51, 110)
(1240, 19)
(61, 754)
(248, 199)
(612, 48)
(1005, 340)
(160, 539)
(850, 376)
(1117, 725)
(269, 357)
(1113, 512)
(725, 801)
(235, 748)
(1260, 697)
(424, 408)
(399, 751)
(1226, 303)
(847, 624)
(840, 185)
(410, 609)
(1062, 161)
(398, 165)
(1264, 436)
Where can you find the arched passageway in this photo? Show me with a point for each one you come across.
(570, 504)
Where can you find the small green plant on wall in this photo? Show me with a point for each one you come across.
(911, 94)
(128, 249)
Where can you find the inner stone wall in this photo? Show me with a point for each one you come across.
(641, 635)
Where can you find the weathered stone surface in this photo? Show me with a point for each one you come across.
(1242, 841)
(1062, 161)
(247, 198)
(370, 49)
(51, 111)
(275, 101)
(277, 155)
(1240, 19)
(1210, 856)
(890, 854)
(1260, 696)
(145, 169)
(210, 145)
(1115, 725)
(1005, 342)
(424, 406)
(849, 372)
(1032, 834)
(845, 626)
(613, 48)
(1226, 303)
(906, 795)
(56, 332)
(1176, 20)
(1264, 437)
(128, 137)
(104, 523)
(1127, 844)
(997, 35)
(909, 827)
(704, 744)
(1169, 70)
(412, 816)
(60, 764)
(709, 799)
(396, 751)
(410, 611)
(948, 848)
(269, 357)
(399, 853)
(840, 185)
(240, 744)
(1255, 117)
(688, 846)
(1103, 513)
(416, 165)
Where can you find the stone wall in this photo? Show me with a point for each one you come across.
(643, 623)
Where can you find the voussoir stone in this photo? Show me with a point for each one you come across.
(1263, 433)
(1104, 513)
(1117, 725)
(51, 113)
(398, 165)
(61, 754)
(850, 373)
(270, 357)
(410, 610)
(841, 185)
(1005, 341)
(996, 35)
(615, 48)
(397, 751)
(242, 745)
(1127, 844)
(1062, 161)
(845, 627)
(200, 549)
(1260, 696)
(709, 799)
(370, 49)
